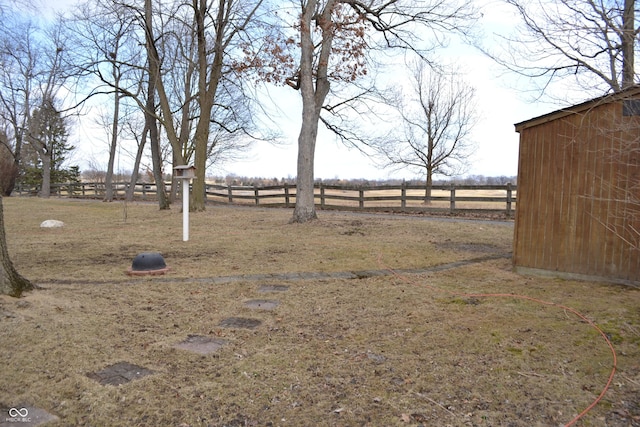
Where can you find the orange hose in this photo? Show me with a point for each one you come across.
(539, 301)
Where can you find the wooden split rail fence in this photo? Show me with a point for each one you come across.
(496, 199)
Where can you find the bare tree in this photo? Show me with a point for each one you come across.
(586, 45)
(115, 49)
(185, 45)
(120, 31)
(328, 42)
(42, 78)
(438, 114)
(207, 33)
(110, 57)
(20, 73)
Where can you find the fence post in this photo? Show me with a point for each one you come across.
(509, 199)
(286, 194)
(230, 193)
(321, 195)
(403, 195)
(361, 198)
(452, 199)
(256, 194)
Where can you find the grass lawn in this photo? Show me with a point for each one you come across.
(344, 342)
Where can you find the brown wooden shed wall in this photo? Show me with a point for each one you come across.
(578, 193)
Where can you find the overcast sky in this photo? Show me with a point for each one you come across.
(500, 106)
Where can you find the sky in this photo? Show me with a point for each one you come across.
(500, 106)
(500, 102)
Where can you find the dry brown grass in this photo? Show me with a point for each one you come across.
(99, 240)
(380, 350)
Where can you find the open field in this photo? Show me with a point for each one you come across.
(441, 342)
(498, 201)
(388, 198)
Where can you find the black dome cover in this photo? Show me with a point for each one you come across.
(148, 261)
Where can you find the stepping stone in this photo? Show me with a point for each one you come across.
(262, 304)
(273, 288)
(201, 344)
(239, 322)
(24, 415)
(120, 373)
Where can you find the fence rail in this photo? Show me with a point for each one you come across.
(405, 198)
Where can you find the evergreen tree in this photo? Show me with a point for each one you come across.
(47, 150)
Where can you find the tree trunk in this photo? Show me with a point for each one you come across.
(151, 122)
(313, 97)
(305, 209)
(9, 176)
(45, 191)
(628, 44)
(11, 283)
(17, 158)
(154, 140)
(200, 162)
(136, 166)
(108, 181)
(208, 80)
(428, 187)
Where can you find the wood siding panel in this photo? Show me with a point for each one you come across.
(555, 219)
(591, 253)
(608, 196)
(525, 222)
(550, 220)
(563, 245)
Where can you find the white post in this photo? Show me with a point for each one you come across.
(185, 210)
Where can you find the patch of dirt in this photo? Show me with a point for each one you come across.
(472, 247)
(273, 288)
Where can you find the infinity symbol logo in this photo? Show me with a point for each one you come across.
(22, 412)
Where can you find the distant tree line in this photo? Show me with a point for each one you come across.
(263, 182)
(98, 176)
